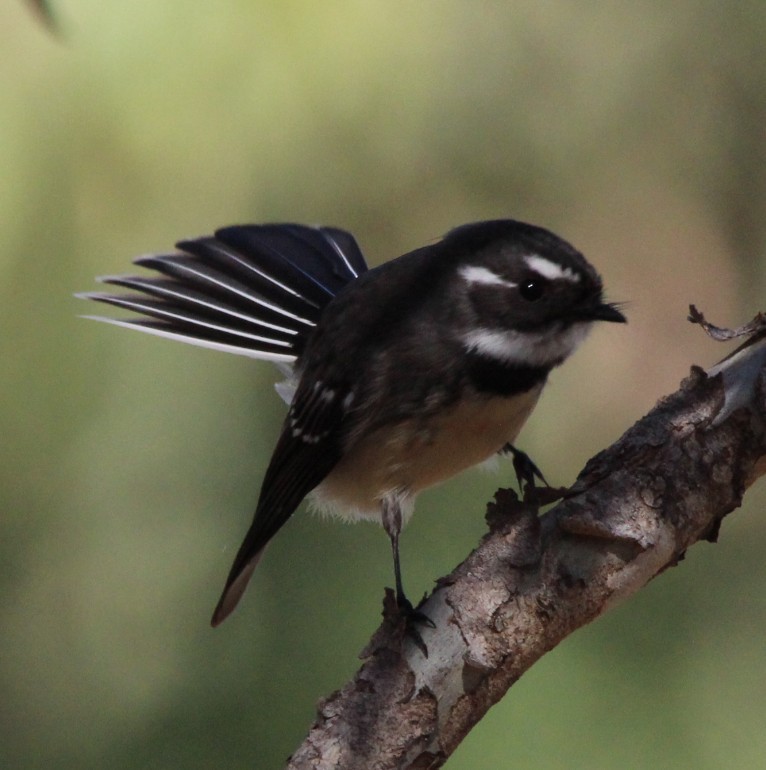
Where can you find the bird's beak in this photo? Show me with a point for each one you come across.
(606, 312)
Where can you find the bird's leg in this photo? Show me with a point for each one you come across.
(401, 599)
(392, 523)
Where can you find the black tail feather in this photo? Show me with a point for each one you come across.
(206, 302)
(251, 289)
(205, 325)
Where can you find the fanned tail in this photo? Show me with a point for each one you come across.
(255, 290)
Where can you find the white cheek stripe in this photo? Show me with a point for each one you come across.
(477, 274)
(551, 270)
(526, 348)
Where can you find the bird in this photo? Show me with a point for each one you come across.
(396, 377)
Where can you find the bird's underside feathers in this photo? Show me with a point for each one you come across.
(255, 290)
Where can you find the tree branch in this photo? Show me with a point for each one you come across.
(633, 512)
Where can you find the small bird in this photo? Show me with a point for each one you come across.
(397, 377)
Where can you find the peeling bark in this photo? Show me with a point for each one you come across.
(633, 512)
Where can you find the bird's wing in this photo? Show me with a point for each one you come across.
(308, 449)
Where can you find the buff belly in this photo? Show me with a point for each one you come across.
(407, 457)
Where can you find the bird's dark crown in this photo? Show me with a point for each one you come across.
(518, 276)
(505, 242)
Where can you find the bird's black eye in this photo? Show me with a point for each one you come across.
(532, 288)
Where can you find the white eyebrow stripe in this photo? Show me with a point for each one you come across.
(551, 270)
(477, 274)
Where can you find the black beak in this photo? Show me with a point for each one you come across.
(606, 312)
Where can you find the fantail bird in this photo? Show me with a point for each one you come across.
(398, 377)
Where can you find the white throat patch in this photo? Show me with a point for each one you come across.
(527, 348)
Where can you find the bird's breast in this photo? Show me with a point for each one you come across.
(411, 455)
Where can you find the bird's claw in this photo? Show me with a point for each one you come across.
(413, 617)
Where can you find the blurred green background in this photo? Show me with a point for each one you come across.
(130, 465)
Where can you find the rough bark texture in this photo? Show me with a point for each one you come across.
(634, 510)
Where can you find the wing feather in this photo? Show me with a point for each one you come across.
(308, 449)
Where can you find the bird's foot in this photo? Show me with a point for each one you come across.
(526, 475)
(401, 612)
(413, 618)
(526, 471)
